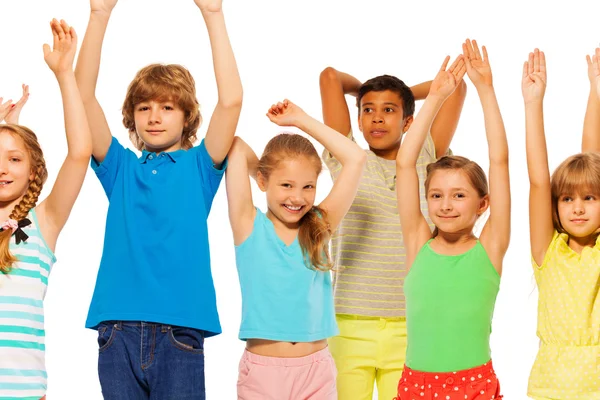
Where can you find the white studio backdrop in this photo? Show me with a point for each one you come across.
(281, 47)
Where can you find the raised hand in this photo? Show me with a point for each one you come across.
(533, 85)
(209, 5)
(15, 110)
(60, 58)
(5, 108)
(478, 68)
(102, 6)
(446, 81)
(285, 114)
(594, 70)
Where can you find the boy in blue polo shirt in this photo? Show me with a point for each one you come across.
(154, 301)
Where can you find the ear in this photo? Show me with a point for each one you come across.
(360, 127)
(484, 203)
(407, 123)
(261, 181)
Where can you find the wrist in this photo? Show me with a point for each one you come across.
(100, 16)
(485, 89)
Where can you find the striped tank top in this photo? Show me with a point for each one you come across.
(22, 291)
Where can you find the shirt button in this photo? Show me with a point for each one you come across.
(154, 171)
(151, 156)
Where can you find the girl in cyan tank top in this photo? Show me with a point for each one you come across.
(28, 230)
(453, 277)
(283, 259)
(564, 221)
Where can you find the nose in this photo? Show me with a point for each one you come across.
(578, 207)
(377, 117)
(3, 166)
(154, 116)
(446, 204)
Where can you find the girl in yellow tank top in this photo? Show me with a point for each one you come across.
(564, 216)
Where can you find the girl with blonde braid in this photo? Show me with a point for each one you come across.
(28, 233)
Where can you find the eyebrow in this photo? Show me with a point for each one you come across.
(387, 103)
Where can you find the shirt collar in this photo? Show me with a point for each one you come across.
(173, 155)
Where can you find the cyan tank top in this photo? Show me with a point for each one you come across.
(22, 336)
(283, 299)
(449, 307)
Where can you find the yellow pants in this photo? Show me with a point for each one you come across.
(368, 350)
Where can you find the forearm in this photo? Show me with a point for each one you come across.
(417, 133)
(88, 62)
(342, 148)
(591, 123)
(79, 139)
(421, 90)
(494, 126)
(537, 155)
(229, 84)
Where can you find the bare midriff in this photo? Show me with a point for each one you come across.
(270, 348)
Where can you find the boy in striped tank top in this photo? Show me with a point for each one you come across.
(28, 233)
(367, 248)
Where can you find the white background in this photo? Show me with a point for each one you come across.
(281, 47)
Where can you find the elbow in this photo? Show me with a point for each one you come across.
(328, 77)
(234, 101)
(236, 146)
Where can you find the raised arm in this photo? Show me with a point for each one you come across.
(224, 120)
(533, 86)
(349, 154)
(242, 163)
(446, 120)
(495, 235)
(591, 123)
(86, 73)
(54, 211)
(334, 86)
(415, 229)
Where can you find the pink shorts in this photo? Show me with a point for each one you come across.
(273, 378)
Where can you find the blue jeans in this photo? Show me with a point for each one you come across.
(147, 361)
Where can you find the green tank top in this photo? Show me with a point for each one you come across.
(449, 307)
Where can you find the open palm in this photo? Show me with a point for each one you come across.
(60, 58)
(594, 70)
(478, 67)
(446, 81)
(13, 114)
(533, 84)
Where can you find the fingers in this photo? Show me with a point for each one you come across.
(485, 55)
(445, 63)
(530, 64)
(47, 50)
(525, 69)
(476, 50)
(536, 60)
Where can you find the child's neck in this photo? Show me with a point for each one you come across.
(453, 243)
(386, 154)
(7, 207)
(286, 232)
(578, 244)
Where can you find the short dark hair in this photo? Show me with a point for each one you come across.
(388, 82)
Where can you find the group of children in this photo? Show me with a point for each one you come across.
(411, 301)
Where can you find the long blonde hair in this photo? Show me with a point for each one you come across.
(30, 198)
(314, 232)
(576, 174)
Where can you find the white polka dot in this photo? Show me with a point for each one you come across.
(436, 377)
(482, 392)
(422, 394)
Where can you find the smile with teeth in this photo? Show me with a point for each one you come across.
(3, 183)
(292, 208)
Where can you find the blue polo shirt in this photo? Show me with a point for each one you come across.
(155, 264)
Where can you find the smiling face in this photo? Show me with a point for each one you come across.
(579, 214)
(15, 167)
(454, 203)
(291, 189)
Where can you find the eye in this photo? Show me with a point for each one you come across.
(436, 196)
(459, 195)
(567, 199)
(590, 197)
(367, 109)
(389, 110)
(143, 108)
(15, 159)
(286, 185)
(170, 108)
(309, 187)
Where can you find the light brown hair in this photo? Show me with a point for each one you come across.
(30, 198)
(161, 82)
(578, 174)
(314, 232)
(472, 170)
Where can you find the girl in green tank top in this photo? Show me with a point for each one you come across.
(453, 276)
